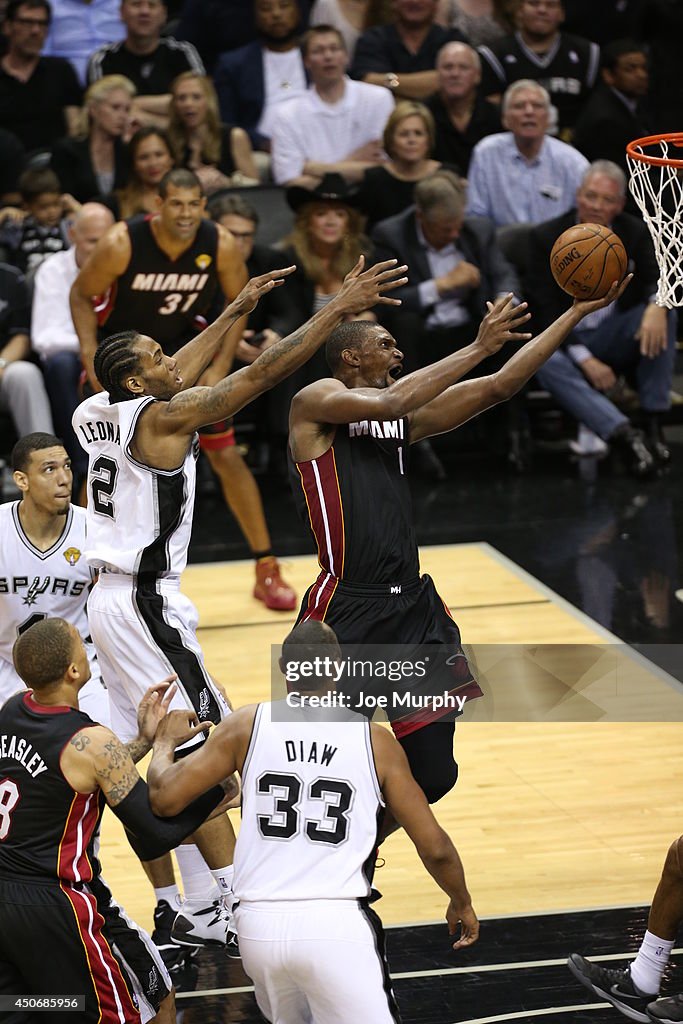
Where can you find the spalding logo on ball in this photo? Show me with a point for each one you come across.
(586, 259)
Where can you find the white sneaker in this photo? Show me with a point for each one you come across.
(201, 924)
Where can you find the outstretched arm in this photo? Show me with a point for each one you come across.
(330, 401)
(199, 406)
(96, 759)
(174, 784)
(192, 359)
(408, 804)
(469, 398)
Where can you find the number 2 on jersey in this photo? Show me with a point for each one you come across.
(103, 476)
(284, 822)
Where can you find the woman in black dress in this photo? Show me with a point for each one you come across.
(95, 162)
(408, 141)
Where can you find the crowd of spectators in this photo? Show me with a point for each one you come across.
(418, 129)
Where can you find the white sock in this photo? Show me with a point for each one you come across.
(223, 878)
(197, 881)
(170, 893)
(648, 966)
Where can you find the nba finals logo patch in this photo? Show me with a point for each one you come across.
(203, 261)
(72, 555)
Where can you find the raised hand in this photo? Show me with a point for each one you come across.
(365, 288)
(256, 288)
(177, 727)
(585, 307)
(498, 326)
(154, 706)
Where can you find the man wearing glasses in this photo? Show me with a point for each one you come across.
(40, 97)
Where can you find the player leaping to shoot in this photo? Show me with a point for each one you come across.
(350, 436)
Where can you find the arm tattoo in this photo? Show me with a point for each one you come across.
(114, 772)
(208, 404)
(137, 749)
(79, 741)
(275, 353)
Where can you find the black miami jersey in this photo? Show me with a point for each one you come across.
(568, 71)
(169, 300)
(46, 829)
(356, 500)
(60, 929)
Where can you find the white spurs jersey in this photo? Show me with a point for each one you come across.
(311, 807)
(35, 584)
(139, 518)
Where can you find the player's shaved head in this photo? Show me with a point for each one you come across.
(44, 652)
(306, 642)
(180, 177)
(25, 446)
(351, 334)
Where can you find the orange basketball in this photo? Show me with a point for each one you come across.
(586, 259)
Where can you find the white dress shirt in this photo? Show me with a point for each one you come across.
(52, 329)
(308, 128)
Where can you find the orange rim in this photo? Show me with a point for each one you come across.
(676, 139)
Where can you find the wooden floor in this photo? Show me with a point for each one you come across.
(556, 807)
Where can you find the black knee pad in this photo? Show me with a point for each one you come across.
(430, 755)
(436, 787)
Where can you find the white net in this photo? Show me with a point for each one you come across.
(658, 190)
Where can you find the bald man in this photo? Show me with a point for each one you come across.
(462, 116)
(53, 333)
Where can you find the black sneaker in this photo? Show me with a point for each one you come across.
(613, 985)
(164, 916)
(179, 962)
(634, 452)
(656, 441)
(666, 1011)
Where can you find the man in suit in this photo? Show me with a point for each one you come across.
(635, 336)
(614, 114)
(455, 267)
(253, 80)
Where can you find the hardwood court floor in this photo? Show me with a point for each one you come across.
(548, 814)
(516, 973)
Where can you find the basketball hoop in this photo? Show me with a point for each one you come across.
(656, 184)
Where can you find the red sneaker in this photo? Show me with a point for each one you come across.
(271, 588)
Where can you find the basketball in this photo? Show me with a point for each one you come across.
(586, 259)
